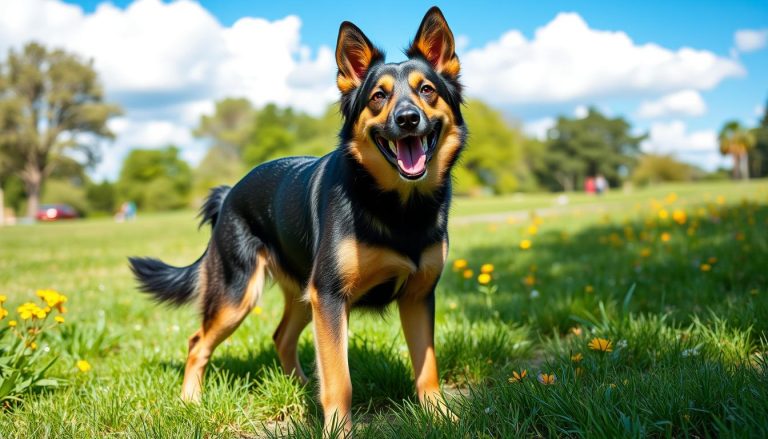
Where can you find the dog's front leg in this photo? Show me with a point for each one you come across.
(330, 314)
(417, 316)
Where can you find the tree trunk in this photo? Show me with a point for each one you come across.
(33, 181)
(736, 167)
(744, 166)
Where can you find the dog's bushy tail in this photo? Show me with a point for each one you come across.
(177, 285)
(166, 283)
(209, 211)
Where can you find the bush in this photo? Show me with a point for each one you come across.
(654, 169)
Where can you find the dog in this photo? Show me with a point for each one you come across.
(362, 226)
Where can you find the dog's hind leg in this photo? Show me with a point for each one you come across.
(220, 319)
(296, 317)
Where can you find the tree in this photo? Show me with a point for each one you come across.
(493, 157)
(736, 141)
(652, 169)
(230, 126)
(758, 157)
(582, 147)
(155, 179)
(51, 109)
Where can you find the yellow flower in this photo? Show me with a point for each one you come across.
(705, 267)
(679, 216)
(257, 310)
(3, 313)
(468, 274)
(3, 298)
(30, 310)
(589, 289)
(671, 198)
(452, 305)
(577, 357)
(576, 331)
(532, 229)
(459, 264)
(644, 253)
(12, 323)
(486, 268)
(525, 244)
(601, 344)
(59, 319)
(720, 199)
(32, 345)
(83, 365)
(547, 378)
(518, 377)
(663, 214)
(52, 298)
(665, 237)
(484, 279)
(529, 280)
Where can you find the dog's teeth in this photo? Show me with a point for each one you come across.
(424, 145)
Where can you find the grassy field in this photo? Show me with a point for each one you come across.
(673, 278)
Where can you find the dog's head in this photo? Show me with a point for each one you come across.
(403, 121)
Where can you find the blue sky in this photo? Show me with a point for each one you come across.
(675, 69)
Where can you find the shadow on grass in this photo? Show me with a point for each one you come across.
(710, 262)
(380, 375)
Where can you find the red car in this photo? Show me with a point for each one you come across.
(54, 212)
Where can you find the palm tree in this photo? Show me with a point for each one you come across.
(737, 141)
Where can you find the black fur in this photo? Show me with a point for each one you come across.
(209, 211)
(166, 283)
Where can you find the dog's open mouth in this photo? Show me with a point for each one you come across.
(410, 154)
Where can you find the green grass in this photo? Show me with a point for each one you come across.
(688, 345)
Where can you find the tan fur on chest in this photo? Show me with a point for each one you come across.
(362, 267)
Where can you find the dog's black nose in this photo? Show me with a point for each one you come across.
(407, 118)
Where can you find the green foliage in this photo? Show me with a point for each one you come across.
(48, 100)
(654, 169)
(493, 156)
(230, 126)
(279, 132)
(582, 147)
(101, 196)
(155, 179)
(24, 365)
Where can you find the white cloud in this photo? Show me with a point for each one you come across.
(750, 40)
(759, 110)
(581, 111)
(698, 147)
(681, 103)
(538, 128)
(167, 62)
(568, 61)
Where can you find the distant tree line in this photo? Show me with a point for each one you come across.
(53, 118)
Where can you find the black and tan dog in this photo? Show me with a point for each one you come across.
(363, 226)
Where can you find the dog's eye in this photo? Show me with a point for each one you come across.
(378, 96)
(427, 89)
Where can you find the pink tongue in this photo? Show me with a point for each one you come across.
(410, 157)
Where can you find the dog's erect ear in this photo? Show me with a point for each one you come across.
(354, 55)
(434, 42)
